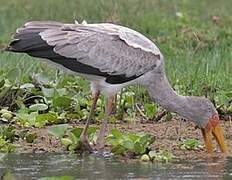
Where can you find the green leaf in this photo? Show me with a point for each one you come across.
(31, 137)
(48, 117)
(74, 138)
(118, 150)
(133, 137)
(116, 133)
(42, 78)
(62, 91)
(38, 107)
(14, 74)
(152, 154)
(146, 139)
(161, 156)
(66, 141)
(127, 144)
(139, 149)
(190, 144)
(150, 110)
(48, 92)
(61, 101)
(58, 130)
(27, 86)
(77, 132)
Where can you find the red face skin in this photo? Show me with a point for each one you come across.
(212, 123)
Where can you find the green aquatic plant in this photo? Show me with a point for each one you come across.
(190, 144)
(70, 137)
(131, 143)
(161, 156)
(6, 146)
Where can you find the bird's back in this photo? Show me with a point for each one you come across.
(106, 50)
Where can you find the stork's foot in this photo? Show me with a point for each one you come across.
(100, 144)
(85, 146)
(104, 154)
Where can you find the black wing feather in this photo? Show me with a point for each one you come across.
(32, 44)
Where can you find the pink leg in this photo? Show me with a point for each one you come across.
(83, 138)
(101, 136)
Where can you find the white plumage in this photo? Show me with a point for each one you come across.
(112, 57)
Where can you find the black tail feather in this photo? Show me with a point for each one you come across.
(30, 42)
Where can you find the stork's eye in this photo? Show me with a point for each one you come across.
(215, 117)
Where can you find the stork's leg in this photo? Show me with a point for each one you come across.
(83, 138)
(114, 105)
(101, 136)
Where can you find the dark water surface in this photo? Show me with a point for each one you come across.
(34, 166)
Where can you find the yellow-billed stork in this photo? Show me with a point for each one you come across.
(112, 57)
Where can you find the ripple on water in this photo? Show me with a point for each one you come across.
(33, 166)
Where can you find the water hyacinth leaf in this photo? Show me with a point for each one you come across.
(42, 79)
(38, 107)
(161, 156)
(133, 137)
(127, 144)
(4, 111)
(74, 138)
(62, 101)
(27, 86)
(190, 144)
(14, 74)
(48, 117)
(66, 141)
(146, 139)
(6, 146)
(48, 92)
(6, 116)
(139, 149)
(118, 150)
(58, 130)
(152, 154)
(77, 132)
(62, 91)
(116, 133)
(8, 133)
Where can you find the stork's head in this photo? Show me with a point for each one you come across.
(205, 115)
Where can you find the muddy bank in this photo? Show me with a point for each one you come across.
(168, 136)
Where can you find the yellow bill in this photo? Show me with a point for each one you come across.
(213, 129)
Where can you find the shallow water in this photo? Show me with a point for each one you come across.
(34, 166)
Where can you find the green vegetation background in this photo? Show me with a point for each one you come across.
(194, 36)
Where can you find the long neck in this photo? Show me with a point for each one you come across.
(162, 93)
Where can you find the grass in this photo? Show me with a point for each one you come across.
(197, 50)
(194, 36)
